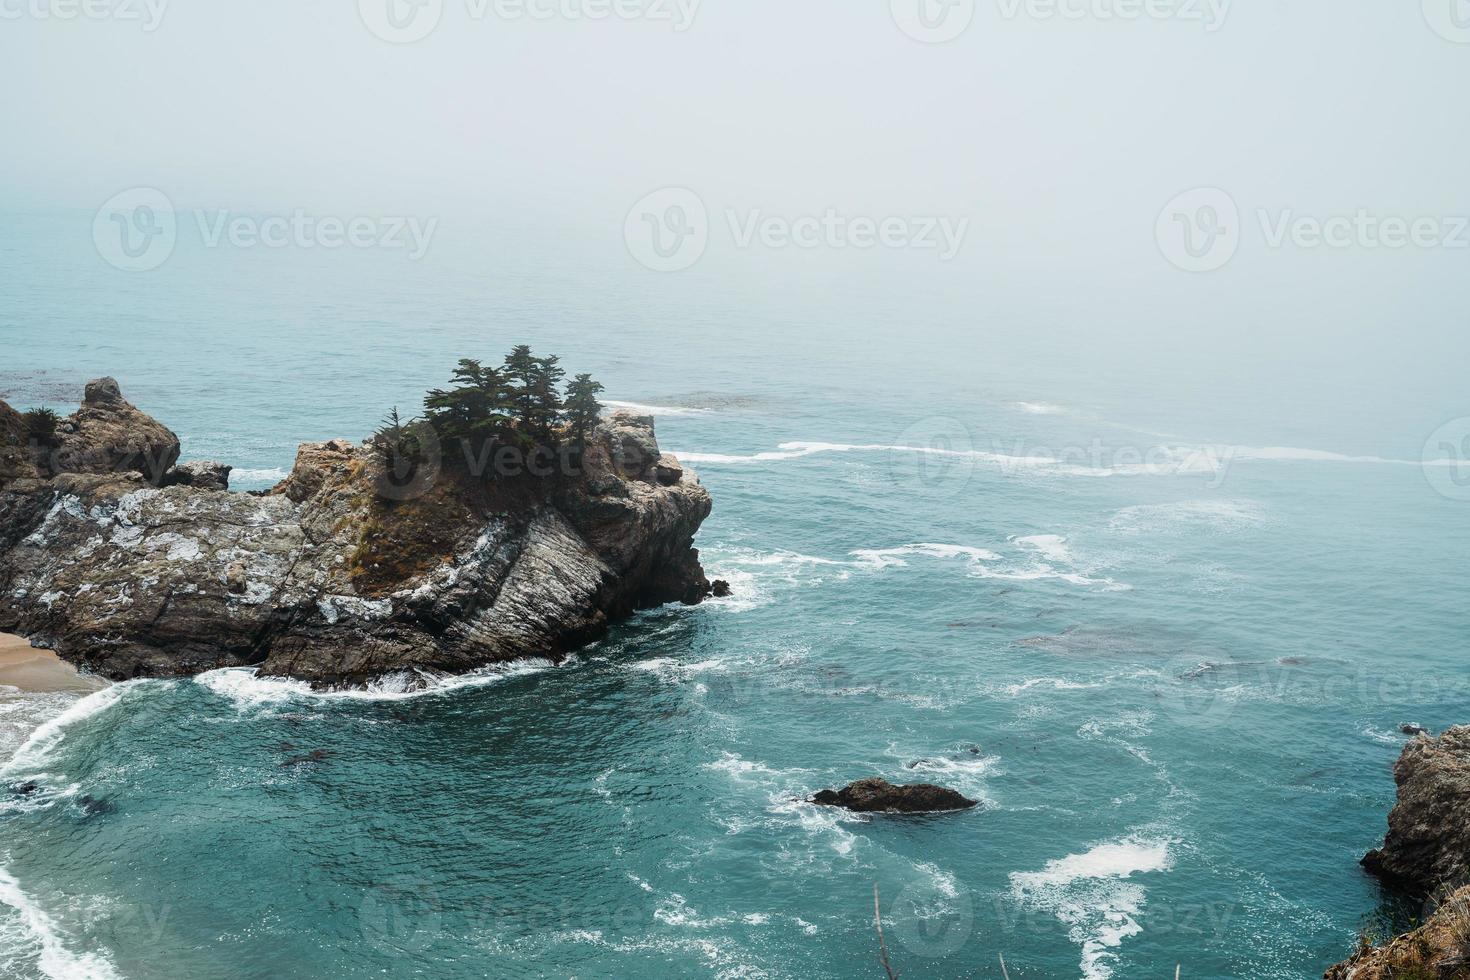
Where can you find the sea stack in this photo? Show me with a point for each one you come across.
(129, 566)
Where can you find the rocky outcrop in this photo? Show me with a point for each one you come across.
(1428, 841)
(881, 796)
(108, 434)
(200, 474)
(330, 576)
(1425, 854)
(1437, 950)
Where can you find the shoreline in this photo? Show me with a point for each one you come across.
(32, 670)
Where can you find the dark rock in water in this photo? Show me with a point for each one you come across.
(200, 474)
(26, 788)
(315, 755)
(720, 589)
(331, 577)
(1409, 728)
(881, 796)
(1428, 841)
(974, 750)
(93, 807)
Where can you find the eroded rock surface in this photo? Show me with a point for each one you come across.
(323, 577)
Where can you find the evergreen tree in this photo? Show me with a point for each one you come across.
(40, 426)
(545, 401)
(582, 407)
(521, 370)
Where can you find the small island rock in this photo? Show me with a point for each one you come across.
(881, 796)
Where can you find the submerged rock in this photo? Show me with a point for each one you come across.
(881, 796)
(337, 575)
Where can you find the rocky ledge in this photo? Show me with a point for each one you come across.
(130, 566)
(881, 796)
(1425, 855)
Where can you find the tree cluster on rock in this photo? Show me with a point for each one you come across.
(521, 405)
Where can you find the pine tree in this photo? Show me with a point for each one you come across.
(582, 408)
(545, 400)
(521, 371)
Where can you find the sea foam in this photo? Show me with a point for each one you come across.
(1092, 893)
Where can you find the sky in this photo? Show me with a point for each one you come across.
(1077, 149)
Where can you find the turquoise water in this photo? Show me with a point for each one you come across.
(1182, 658)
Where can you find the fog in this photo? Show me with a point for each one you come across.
(1055, 133)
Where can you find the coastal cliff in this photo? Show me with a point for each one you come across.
(128, 565)
(1426, 855)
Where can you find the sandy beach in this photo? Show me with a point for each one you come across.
(29, 669)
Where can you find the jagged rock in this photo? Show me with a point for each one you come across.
(881, 796)
(1409, 728)
(1439, 949)
(107, 434)
(325, 579)
(667, 470)
(1428, 841)
(720, 589)
(633, 445)
(200, 474)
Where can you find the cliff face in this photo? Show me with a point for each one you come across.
(1428, 841)
(1426, 854)
(338, 574)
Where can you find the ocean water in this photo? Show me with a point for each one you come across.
(1162, 619)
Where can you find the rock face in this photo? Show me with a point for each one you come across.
(1428, 842)
(1426, 854)
(881, 796)
(327, 577)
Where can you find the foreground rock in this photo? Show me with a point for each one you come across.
(1428, 841)
(1427, 855)
(341, 573)
(881, 796)
(1437, 950)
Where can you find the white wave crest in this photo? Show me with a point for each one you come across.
(272, 474)
(42, 935)
(1040, 408)
(247, 689)
(1221, 515)
(642, 409)
(32, 755)
(1091, 892)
